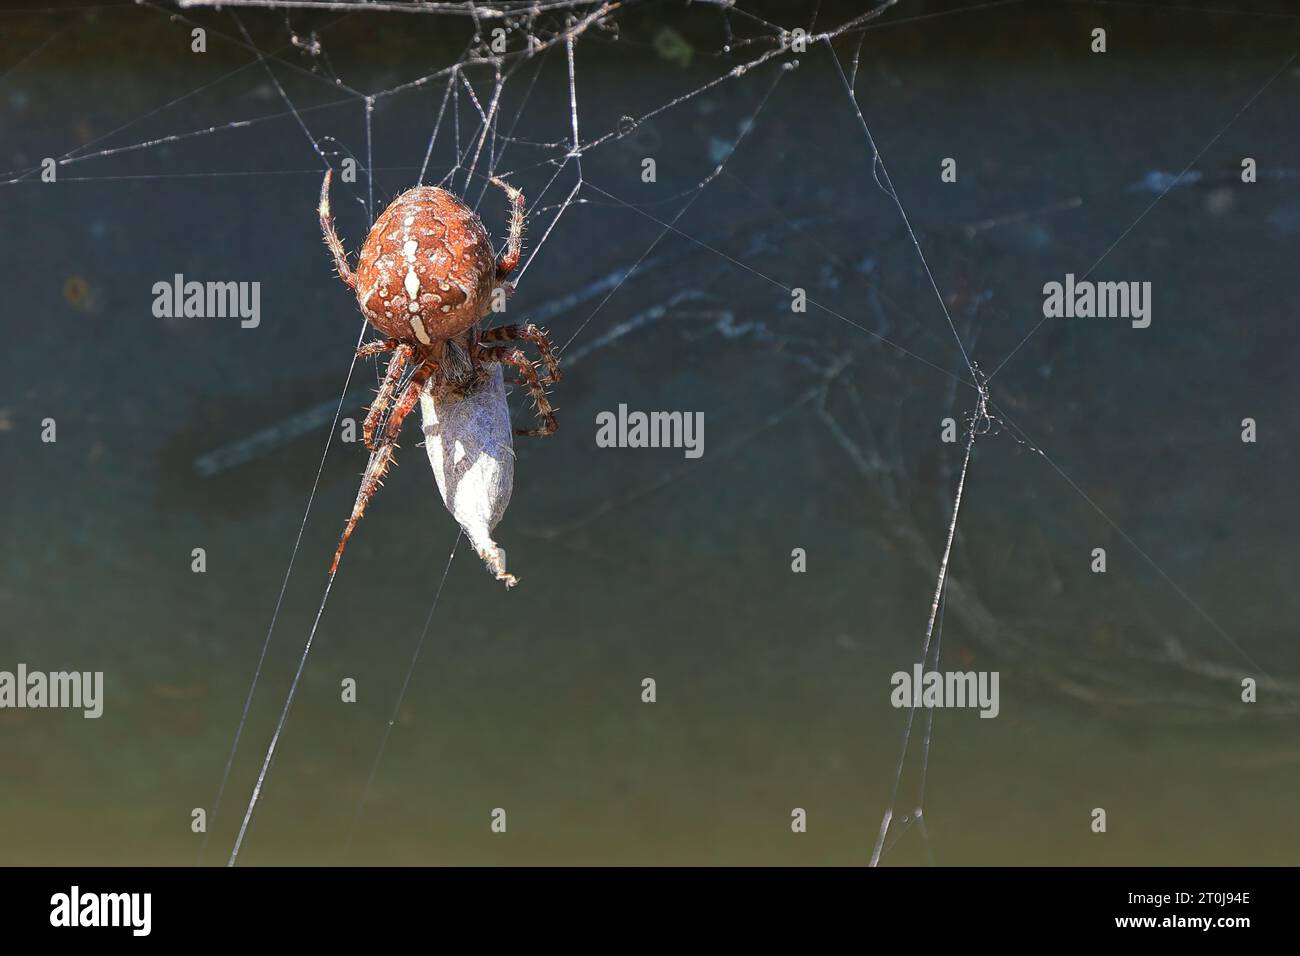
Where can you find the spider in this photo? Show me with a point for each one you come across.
(425, 278)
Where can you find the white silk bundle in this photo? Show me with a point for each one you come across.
(470, 444)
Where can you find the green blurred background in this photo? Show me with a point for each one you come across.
(772, 686)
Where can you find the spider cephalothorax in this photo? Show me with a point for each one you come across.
(425, 279)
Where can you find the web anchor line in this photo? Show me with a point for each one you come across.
(980, 424)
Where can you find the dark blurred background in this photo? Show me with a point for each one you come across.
(773, 687)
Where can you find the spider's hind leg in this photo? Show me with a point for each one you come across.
(331, 236)
(515, 240)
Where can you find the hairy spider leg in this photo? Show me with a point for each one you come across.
(331, 237)
(378, 348)
(515, 240)
(373, 478)
(396, 366)
(528, 333)
(505, 355)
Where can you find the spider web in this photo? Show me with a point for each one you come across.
(875, 371)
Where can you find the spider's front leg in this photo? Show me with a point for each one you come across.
(332, 240)
(528, 333)
(371, 349)
(505, 355)
(373, 478)
(396, 366)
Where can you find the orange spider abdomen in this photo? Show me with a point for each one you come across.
(426, 271)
